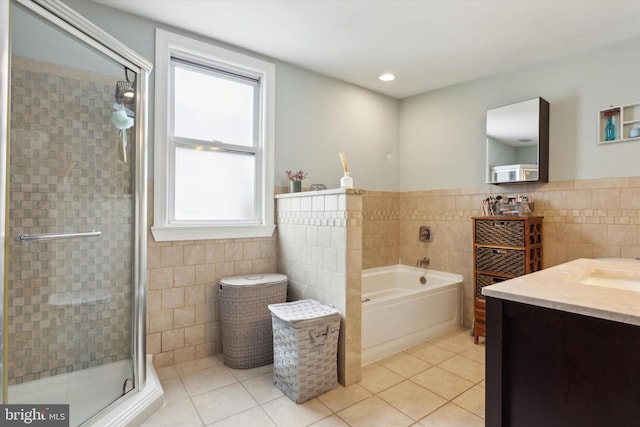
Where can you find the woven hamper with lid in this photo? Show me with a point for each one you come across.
(245, 320)
(305, 348)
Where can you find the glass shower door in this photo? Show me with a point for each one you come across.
(71, 215)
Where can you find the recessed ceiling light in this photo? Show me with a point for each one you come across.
(387, 77)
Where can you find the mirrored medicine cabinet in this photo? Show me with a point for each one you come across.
(518, 142)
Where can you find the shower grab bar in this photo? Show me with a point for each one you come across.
(54, 236)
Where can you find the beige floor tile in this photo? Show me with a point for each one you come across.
(404, 364)
(476, 352)
(262, 388)
(464, 367)
(198, 364)
(451, 415)
(208, 379)
(341, 397)
(332, 421)
(174, 389)
(408, 385)
(166, 372)
(442, 382)
(245, 374)
(286, 413)
(461, 331)
(223, 402)
(376, 378)
(472, 400)
(374, 412)
(412, 399)
(456, 342)
(177, 414)
(254, 417)
(431, 353)
(452, 334)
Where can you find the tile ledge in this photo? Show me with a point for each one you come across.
(356, 191)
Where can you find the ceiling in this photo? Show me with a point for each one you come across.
(427, 44)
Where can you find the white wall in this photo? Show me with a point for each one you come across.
(434, 140)
(441, 133)
(34, 39)
(316, 116)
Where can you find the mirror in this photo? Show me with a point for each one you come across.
(518, 142)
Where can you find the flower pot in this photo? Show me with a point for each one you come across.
(295, 186)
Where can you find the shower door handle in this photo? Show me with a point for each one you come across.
(54, 236)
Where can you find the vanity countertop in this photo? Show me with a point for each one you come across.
(602, 288)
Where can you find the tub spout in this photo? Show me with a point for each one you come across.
(423, 262)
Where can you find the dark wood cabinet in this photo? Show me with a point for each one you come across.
(504, 248)
(547, 367)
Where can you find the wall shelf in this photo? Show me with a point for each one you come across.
(625, 117)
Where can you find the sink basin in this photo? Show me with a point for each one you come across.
(612, 279)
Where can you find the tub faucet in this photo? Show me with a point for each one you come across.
(423, 262)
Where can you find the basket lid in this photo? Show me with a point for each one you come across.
(298, 311)
(253, 279)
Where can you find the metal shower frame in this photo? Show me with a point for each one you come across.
(57, 13)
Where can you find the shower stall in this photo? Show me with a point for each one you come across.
(73, 217)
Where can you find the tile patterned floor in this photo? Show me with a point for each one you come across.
(435, 384)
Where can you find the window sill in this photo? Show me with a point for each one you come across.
(167, 234)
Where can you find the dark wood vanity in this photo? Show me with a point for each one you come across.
(566, 359)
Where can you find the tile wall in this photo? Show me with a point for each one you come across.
(380, 229)
(320, 250)
(183, 322)
(69, 300)
(323, 241)
(582, 219)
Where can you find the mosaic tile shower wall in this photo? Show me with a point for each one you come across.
(70, 299)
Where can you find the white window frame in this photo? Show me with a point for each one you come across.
(170, 45)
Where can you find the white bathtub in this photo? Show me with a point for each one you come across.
(398, 312)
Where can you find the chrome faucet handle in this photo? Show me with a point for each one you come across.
(422, 262)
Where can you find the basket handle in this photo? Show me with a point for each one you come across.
(319, 336)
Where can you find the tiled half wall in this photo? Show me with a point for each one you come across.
(324, 240)
(183, 322)
(582, 219)
(320, 250)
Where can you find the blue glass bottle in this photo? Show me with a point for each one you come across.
(610, 130)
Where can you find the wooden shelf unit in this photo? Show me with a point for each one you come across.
(503, 248)
(625, 117)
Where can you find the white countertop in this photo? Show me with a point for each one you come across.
(591, 287)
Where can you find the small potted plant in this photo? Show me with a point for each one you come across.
(295, 180)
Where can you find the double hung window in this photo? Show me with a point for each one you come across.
(214, 142)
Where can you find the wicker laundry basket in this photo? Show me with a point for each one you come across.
(305, 335)
(245, 320)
